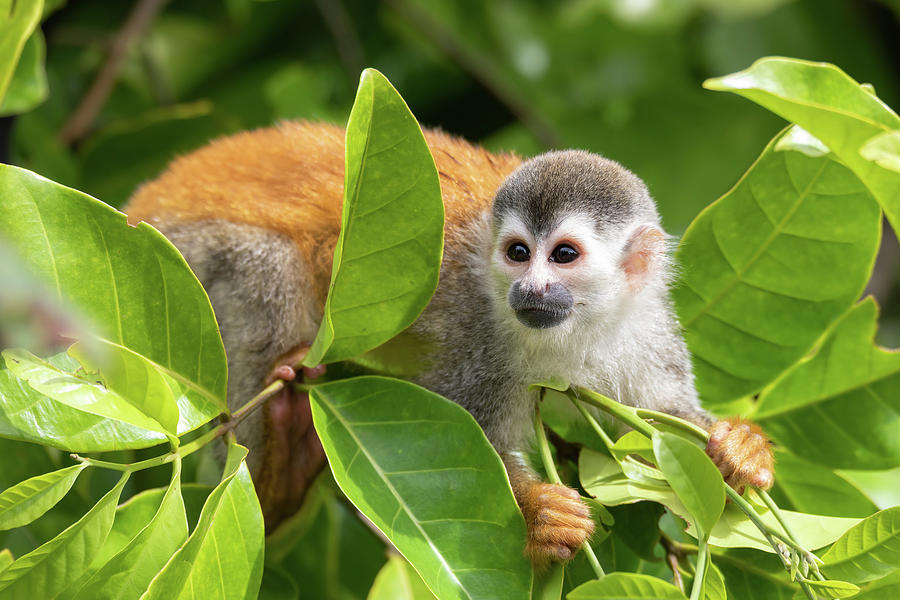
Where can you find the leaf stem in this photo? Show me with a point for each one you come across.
(553, 475)
(700, 573)
(616, 409)
(129, 467)
(686, 426)
(225, 429)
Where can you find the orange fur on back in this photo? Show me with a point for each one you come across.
(290, 178)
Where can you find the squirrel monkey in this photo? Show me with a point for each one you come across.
(556, 266)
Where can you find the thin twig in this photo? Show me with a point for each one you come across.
(345, 38)
(81, 120)
(479, 68)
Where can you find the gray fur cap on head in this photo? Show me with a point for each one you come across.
(549, 187)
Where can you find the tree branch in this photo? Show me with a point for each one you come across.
(81, 120)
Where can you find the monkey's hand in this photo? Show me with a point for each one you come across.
(558, 522)
(293, 453)
(742, 452)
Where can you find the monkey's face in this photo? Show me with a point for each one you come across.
(554, 279)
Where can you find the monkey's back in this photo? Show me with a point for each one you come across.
(290, 179)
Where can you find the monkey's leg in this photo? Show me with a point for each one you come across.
(556, 519)
(742, 452)
(260, 290)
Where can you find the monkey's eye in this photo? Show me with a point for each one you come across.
(518, 252)
(564, 253)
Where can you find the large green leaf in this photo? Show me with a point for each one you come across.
(17, 21)
(604, 479)
(767, 267)
(28, 86)
(868, 551)
(26, 501)
(49, 569)
(618, 586)
(6, 559)
(388, 255)
(693, 477)
(28, 415)
(840, 407)
(809, 487)
(130, 281)
(830, 105)
(130, 571)
(224, 555)
(421, 469)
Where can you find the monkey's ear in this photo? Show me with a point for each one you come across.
(645, 256)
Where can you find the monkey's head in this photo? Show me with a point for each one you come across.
(576, 240)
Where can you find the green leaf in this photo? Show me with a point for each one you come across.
(833, 589)
(602, 478)
(714, 586)
(130, 281)
(129, 572)
(28, 415)
(693, 477)
(17, 21)
(6, 559)
(830, 105)
(886, 588)
(397, 580)
(560, 415)
(28, 500)
(634, 443)
(753, 576)
(224, 554)
(637, 525)
(812, 488)
(548, 584)
(77, 390)
(868, 551)
(49, 569)
(758, 284)
(413, 462)
(388, 255)
(884, 150)
(626, 585)
(852, 409)
(177, 405)
(28, 86)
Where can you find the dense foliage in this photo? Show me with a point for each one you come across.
(770, 280)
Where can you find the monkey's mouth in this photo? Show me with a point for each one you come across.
(538, 318)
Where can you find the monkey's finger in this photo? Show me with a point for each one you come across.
(543, 553)
(717, 434)
(572, 537)
(314, 372)
(283, 372)
(551, 516)
(562, 499)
